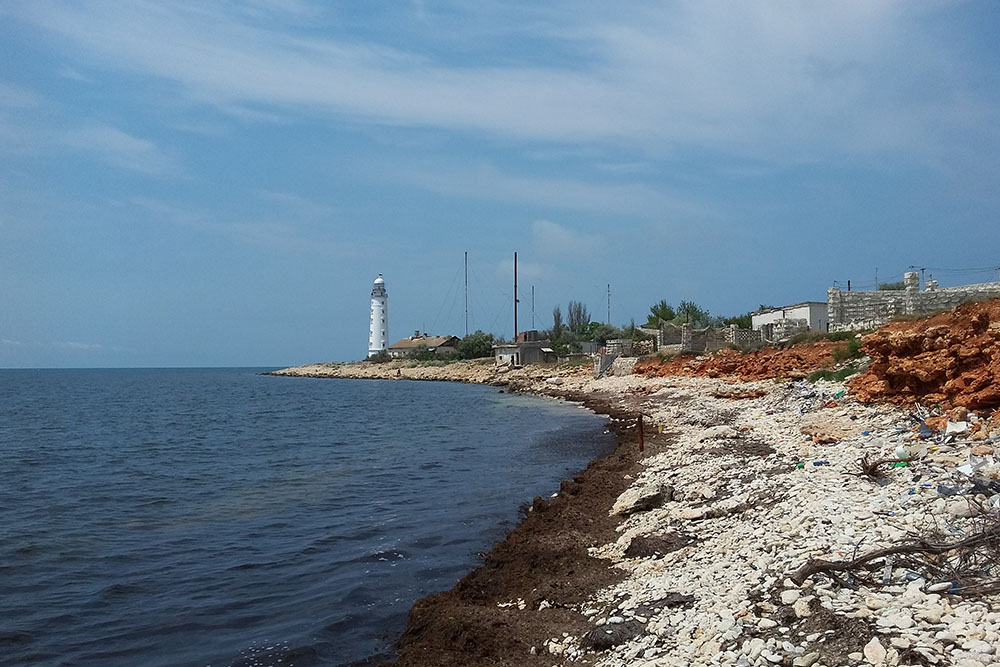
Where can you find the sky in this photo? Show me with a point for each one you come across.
(218, 183)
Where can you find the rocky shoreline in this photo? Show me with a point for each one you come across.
(688, 552)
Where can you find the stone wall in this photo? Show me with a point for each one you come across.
(854, 311)
(742, 337)
(670, 334)
(619, 346)
(702, 340)
(784, 328)
(710, 339)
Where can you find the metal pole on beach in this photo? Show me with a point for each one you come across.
(639, 428)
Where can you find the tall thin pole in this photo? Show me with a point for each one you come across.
(532, 306)
(609, 303)
(466, 292)
(515, 296)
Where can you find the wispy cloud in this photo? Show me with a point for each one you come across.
(295, 204)
(286, 231)
(121, 149)
(527, 271)
(85, 347)
(73, 345)
(17, 97)
(485, 181)
(74, 74)
(550, 238)
(788, 81)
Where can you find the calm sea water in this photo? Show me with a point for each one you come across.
(222, 517)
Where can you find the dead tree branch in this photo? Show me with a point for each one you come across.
(986, 538)
(872, 470)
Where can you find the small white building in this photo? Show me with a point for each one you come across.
(810, 314)
(378, 331)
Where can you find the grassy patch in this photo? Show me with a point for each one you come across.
(852, 351)
(835, 376)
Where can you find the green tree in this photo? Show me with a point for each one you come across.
(420, 353)
(744, 321)
(632, 332)
(476, 345)
(557, 324)
(577, 316)
(600, 332)
(892, 286)
(660, 311)
(693, 314)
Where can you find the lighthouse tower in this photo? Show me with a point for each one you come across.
(378, 333)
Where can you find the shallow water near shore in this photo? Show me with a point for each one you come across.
(218, 516)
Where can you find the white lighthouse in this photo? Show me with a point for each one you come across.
(378, 333)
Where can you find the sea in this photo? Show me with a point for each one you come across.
(227, 517)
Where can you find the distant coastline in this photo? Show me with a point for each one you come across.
(546, 380)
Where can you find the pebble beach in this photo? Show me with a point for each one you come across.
(741, 485)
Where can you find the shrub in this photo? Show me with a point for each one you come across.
(380, 357)
(851, 351)
(476, 345)
(835, 376)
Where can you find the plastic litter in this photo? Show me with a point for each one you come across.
(956, 428)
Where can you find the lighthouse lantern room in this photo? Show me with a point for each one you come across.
(378, 332)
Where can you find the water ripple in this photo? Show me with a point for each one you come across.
(173, 517)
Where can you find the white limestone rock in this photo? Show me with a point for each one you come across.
(874, 652)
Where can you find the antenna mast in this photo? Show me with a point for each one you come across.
(609, 303)
(515, 296)
(466, 292)
(532, 306)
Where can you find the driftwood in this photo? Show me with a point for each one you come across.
(986, 538)
(871, 469)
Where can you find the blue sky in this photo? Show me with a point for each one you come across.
(218, 183)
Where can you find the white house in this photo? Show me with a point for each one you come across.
(808, 314)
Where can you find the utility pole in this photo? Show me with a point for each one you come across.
(532, 306)
(609, 304)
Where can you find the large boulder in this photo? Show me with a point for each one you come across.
(643, 498)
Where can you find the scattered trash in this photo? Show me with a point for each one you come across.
(956, 428)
